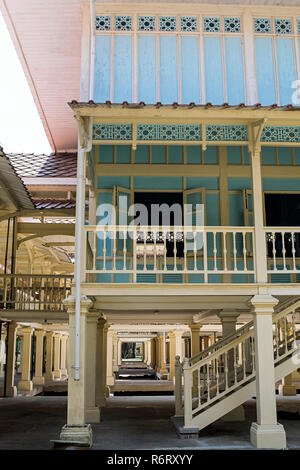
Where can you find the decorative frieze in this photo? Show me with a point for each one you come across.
(186, 132)
(147, 23)
(280, 134)
(211, 24)
(226, 133)
(103, 23)
(193, 132)
(188, 23)
(123, 23)
(262, 25)
(283, 26)
(232, 25)
(167, 23)
(112, 132)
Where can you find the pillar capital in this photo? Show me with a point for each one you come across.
(263, 304)
(40, 333)
(13, 325)
(85, 304)
(227, 315)
(27, 330)
(50, 334)
(195, 326)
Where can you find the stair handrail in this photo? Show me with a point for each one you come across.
(208, 382)
(240, 331)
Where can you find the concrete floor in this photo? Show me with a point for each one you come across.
(134, 422)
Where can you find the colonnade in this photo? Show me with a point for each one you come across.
(43, 357)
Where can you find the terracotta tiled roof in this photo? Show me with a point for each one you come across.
(54, 204)
(60, 165)
(12, 182)
(108, 104)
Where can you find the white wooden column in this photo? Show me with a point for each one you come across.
(148, 352)
(49, 356)
(266, 433)
(195, 338)
(76, 428)
(100, 363)
(57, 371)
(11, 389)
(39, 378)
(110, 380)
(92, 413)
(259, 241)
(63, 355)
(175, 350)
(119, 352)
(26, 383)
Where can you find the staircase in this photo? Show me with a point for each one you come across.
(223, 376)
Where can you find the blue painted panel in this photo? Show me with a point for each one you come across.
(123, 153)
(157, 182)
(213, 70)
(239, 183)
(122, 69)
(106, 153)
(212, 209)
(210, 155)
(268, 156)
(168, 69)
(190, 69)
(175, 154)
(285, 69)
(104, 198)
(102, 69)
(158, 154)
(281, 184)
(108, 182)
(247, 156)
(196, 182)
(284, 155)
(142, 154)
(265, 71)
(234, 156)
(234, 70)
(193, 154)
(297, 155)
(236, 210)
(147, 69)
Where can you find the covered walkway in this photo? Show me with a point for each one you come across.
(135, 422)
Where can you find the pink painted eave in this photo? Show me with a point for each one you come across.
(47, 37)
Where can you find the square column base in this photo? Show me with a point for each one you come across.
(92, 415)
(25, 385)
(39, 380)
(75, 434)
(49, 377)
(268, 436)
(57, 374)
(11, 391)
(110, 380)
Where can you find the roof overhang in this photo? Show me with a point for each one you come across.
(254, 118)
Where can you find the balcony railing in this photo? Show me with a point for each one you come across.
(131, 254)
(34, 291)
(168, 254)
